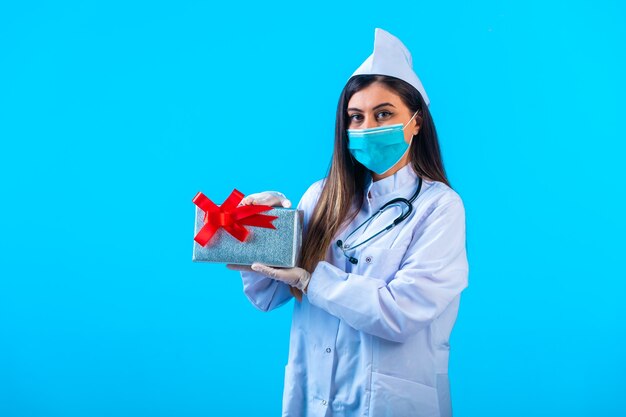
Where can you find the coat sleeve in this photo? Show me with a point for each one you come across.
(433, 271)
(266, 293)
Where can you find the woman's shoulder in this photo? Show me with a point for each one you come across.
(315, 189)
(311, 195)
(441, 205)
(440, 193)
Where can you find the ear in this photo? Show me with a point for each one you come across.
(417, 129)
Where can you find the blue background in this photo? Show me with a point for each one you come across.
(114, 114)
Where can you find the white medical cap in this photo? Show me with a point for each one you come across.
(390, 57)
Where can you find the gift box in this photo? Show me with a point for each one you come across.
(229, 233)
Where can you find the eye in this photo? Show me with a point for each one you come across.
(356, 117)
(383, 114)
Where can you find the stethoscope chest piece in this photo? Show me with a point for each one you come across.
(352, 259)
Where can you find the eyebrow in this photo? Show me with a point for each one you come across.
(380, 105)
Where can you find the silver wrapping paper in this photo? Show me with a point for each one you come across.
(274, 247)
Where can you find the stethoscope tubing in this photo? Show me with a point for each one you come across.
(404, 215)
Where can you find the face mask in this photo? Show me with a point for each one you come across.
(378, 148)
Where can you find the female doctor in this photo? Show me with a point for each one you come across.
(378, 291)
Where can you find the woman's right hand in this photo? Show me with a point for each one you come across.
(267, 198)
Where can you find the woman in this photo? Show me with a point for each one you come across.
(370, 330)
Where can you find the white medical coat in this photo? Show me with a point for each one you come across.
(372, 339)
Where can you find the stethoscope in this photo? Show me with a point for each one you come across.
(390, 203)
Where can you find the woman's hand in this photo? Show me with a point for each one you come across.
(267, 198)
(297, 278)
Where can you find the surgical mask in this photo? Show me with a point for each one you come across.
(378, 148)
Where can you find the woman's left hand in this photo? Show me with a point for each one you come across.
(295, 277)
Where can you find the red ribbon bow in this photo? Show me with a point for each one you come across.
(231, 217)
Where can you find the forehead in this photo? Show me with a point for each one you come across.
(373, 95)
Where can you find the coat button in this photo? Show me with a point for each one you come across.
(324, 402)
(328, 350)
(368, 259)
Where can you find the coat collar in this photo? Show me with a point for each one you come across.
(404, 177)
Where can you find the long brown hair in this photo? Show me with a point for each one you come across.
(343, 192)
